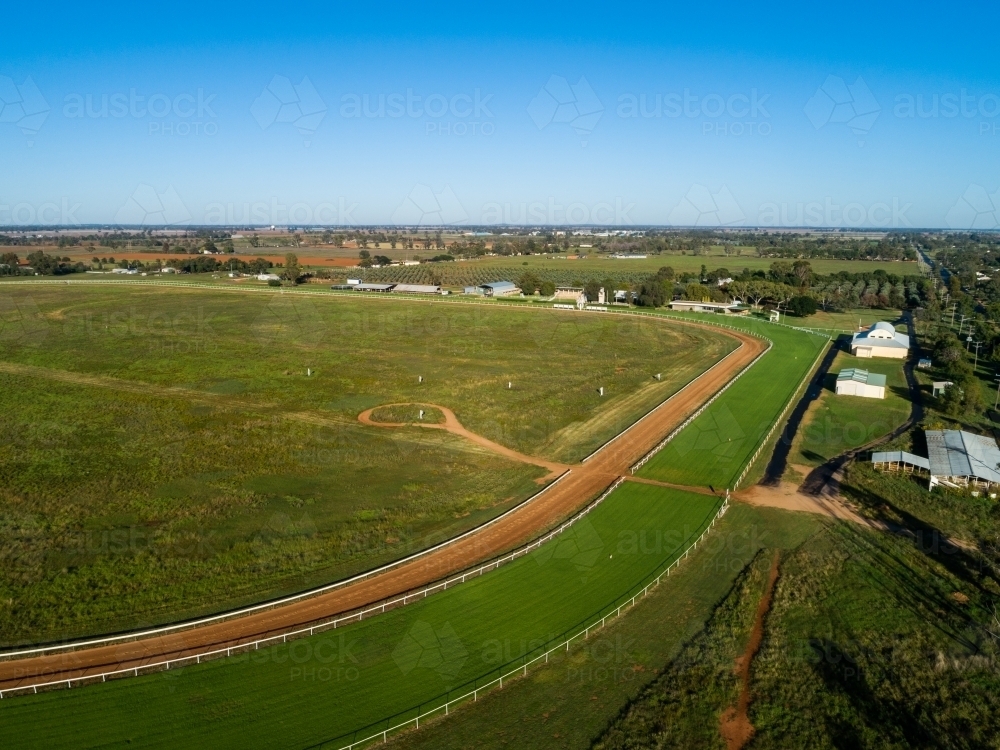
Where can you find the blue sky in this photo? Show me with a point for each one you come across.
(776, 115)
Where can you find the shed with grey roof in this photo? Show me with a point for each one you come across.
(417, 288)
(959, 459)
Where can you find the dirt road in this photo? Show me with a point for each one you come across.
(452, 425)
(584, 482)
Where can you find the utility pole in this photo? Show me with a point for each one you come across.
(955, 305)
(968, 340)
(997, 400)
(975, 363)
(961, 323)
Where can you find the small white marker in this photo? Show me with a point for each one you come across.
(421, 413)
(420, 378)
(601, 390)
(657, 376)
(309, 372)
(509, 385)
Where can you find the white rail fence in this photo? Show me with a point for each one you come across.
(228, 651)
(779, 421)
(331, 624)
(311, 593)
(522, 669)
(638, 465)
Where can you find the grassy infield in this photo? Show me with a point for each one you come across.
(184, 503)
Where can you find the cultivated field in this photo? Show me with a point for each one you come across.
(169, 455)
(321, 687)
(716, 447)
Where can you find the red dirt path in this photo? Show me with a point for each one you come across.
(583, 483)
(734, 723)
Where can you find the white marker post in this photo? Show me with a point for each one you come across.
(658, 376)
(601, 390)
(421, 414)
(420, 378)
(509, 385)
(309, 372)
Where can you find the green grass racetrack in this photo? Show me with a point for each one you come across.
(716, 446)
(323, 687)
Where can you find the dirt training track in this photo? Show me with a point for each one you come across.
(583, 482)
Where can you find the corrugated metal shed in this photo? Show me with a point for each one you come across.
(956, 453)
(417, 288)
(900, 457)
(861, 376)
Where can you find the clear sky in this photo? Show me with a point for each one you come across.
(733, 114)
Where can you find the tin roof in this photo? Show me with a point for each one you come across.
(881, 334)
(900, 457)
(861, 376)
(956, 453)
(417, 288)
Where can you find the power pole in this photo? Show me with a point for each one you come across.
(975, 363)
(997, 399)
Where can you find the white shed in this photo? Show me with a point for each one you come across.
(881, 340)
(857, 382)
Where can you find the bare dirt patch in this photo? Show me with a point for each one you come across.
(734, 722)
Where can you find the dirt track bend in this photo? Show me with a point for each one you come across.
(584, 482)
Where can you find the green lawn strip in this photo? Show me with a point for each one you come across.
(123, 510)
(391, 663)
(871, 641)
(838, 423)
(716, 446)
(569, 703)
(259, 347)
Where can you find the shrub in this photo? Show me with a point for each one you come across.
(802, 306)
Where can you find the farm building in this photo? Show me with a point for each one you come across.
(940, 386)
(499, 289)
(959, 459)
(571, 294)
(901, 461)
(726, 308)
(373, 287)
(881, 340)
(417, 288)
(854, 381)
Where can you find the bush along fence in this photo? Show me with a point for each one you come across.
(330, 624)
(442, 704)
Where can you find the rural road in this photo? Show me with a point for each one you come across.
(584, 482)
